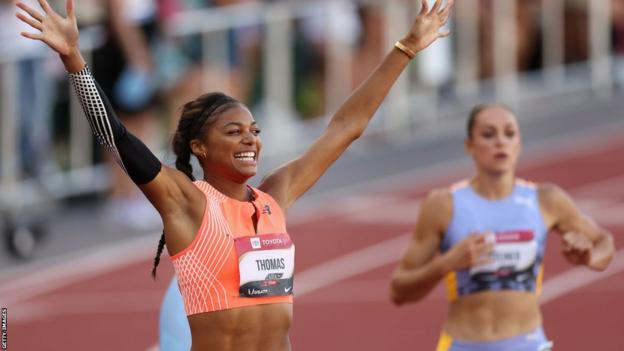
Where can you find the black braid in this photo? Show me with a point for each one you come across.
(161, 246)
(195, 115)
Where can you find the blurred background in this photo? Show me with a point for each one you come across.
(78, 238)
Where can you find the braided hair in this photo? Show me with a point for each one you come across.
(195, 116)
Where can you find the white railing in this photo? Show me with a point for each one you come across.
(454, 62)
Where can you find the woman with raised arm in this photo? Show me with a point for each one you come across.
(491, 232)
(228, 241)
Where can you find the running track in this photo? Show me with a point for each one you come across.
(105, 300)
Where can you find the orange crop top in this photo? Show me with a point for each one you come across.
(229, 264)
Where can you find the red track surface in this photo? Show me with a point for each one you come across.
(119, 310)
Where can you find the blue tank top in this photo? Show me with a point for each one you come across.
(518, 231)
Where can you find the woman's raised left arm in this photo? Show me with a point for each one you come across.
(290, 181)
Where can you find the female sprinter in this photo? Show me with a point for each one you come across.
(491, 231)
(227, 240)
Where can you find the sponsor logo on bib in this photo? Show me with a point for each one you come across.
(266, 265)
(255, 243)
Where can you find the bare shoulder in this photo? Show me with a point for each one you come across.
(551, 195)
(172, 191)
(439, 198)
(437, 208)
(275, 183)
(556, 205)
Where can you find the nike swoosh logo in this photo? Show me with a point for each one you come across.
(287, 289)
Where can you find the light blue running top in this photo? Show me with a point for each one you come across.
(517, 229)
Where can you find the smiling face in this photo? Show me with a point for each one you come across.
(494, 140)
(229, 144)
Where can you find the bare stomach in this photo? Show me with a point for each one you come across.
(261, 327)
(493, 315)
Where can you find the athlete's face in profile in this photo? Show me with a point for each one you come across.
(231, 145)
(495, 141)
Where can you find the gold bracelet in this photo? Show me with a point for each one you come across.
(407, 51)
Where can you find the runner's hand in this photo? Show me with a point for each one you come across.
(474, 250)
(426, 27)
(59, 33)
(577, 248)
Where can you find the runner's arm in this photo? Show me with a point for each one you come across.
(420, 269)
(290, 181)
(584, 242)
(168, 189)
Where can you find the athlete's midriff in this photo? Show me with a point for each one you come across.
(252, 328)
(493, 315)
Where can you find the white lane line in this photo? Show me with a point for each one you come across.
(308, 281)
(608, 188)
(349, 265)
(536, 154)
(91, 303)
(97, 261)
(112, 256)
(577, 278)
(401, 211)
(109, 257)
(311, 280)
(595, 199)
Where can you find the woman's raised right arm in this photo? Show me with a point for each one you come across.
(167, 189)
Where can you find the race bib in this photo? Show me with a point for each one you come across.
(514, 252)
(266, 265)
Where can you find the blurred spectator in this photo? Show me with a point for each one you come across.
(34, 91)
(336, 21)
(186, 75)
(124, 67)
(617, 16)
(576, 31)
(370, 44)
(528, 38)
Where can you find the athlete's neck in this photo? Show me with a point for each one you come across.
(493, 187)
(231, 189)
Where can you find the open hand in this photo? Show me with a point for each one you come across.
(577, 248)
(426, 27)
(59, 33)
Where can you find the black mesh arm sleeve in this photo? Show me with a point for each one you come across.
(129, 152)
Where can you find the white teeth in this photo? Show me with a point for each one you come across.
(245, 156)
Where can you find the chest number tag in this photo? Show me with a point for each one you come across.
(514, 253)
(266, 264)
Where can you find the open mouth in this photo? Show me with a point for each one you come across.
(501, 156)
(247, 156)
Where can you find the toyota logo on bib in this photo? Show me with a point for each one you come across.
(255, 243)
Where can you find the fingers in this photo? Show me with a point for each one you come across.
(576, 241)
(444, 34)
(481, 260)
(33, 13)
(481, 250)
(69, 7)
(45, 6)
(32, 36)
(31, 22)
(447, 9)
(424, 7)
(436, 6)
(483, 237)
